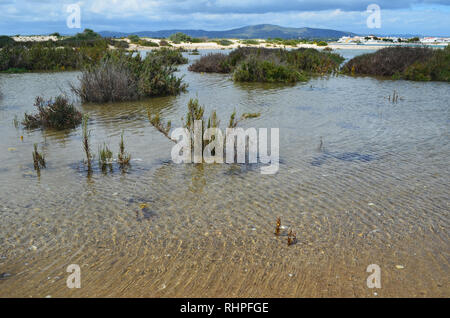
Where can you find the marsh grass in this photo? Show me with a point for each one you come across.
(86, 142)
(16, 122)
(278, 227)
(123, 158)
(197, 112)
(105, 157)
(38, 159)
(292, 238)
(395, 97)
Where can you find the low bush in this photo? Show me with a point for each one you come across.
(122, 76)
(6, 41)
(170, 56)
(164, 43)
(223, 42)
(133, 38)
(180, 37)
(211, 63)
(257, 70)
(412, 63)
(271, 65)
(41, 57)
(249, 42)
(120, 44)
(58, 114)
(147, 43)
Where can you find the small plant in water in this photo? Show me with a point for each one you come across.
(196, 112)
(123, 157)
(56, 113)
(394, 98)
(86, 145)
(278, 227)
(38, 159)
(105, 157)
(16, 121)
(292, 238)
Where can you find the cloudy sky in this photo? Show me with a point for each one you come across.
(424, 17)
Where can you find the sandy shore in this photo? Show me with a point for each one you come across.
(236, 43)
(213, 45)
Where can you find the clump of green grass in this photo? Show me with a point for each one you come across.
(38, 159)
(105, 157)
(123, 157)
(56, 113)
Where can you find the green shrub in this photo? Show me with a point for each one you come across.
(41, 57)
(120, 44)
(180, 37)
(57, 114)
(249, 42)
(133, 38)
(196, 40)
(148, 43)
(6, 41)
(412, 63)
(122, 76)
(436, 68)
(164, 43)
(312, 60)
(283, 65)
(170, 56)
(321, 43)
(258, 70)
(223, 42)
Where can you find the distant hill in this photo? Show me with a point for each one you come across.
(261, 31)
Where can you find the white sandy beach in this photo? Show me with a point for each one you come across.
(213, 45)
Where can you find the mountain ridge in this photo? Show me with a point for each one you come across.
(260, 31)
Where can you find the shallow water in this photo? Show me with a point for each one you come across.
(375, 193)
